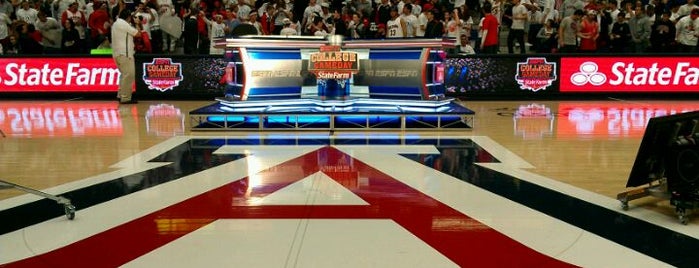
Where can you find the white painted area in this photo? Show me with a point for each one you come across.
(527, 226)
(317, 189)
(96, 219)
(337, 243)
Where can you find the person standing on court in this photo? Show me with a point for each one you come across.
(122, 51)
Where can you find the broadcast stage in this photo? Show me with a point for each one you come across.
(312, 83)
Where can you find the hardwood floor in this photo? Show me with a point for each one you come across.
(587, 144)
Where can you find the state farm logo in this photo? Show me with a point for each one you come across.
(58, 75)
(630, 74)
(588, 74)
(34, 73)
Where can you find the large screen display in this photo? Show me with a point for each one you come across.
(58, 75)
(629, 74)
(502, 75)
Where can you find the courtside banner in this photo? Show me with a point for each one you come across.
(629, 74)
(65, 74)
(166, 76)
(502, 75)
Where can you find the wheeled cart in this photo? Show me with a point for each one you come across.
(659, 189)
(67, 206)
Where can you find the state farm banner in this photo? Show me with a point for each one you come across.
(54, 74)
(629, 74)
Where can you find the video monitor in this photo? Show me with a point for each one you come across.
(661, 136)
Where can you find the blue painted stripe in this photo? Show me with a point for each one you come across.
(274, 55)
(395, 90)
(273, 90)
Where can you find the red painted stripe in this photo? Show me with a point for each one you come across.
(460, 238)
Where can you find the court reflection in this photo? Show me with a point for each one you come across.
(60, 119)
(164, 120)
(612, 119)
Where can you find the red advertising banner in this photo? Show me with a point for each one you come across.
(58, 75)
(629, 74)
(60, 119)
(607, 120)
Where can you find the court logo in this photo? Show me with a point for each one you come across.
(588, 75)
(162, 74)
(535, 74)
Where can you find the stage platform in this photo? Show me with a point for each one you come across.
(316, 114)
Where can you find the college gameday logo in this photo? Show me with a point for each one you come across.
(332, 63)
(626, 74)
(162, 74)
(58, 75)
(535, 74)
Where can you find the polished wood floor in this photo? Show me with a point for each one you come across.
(587, 144)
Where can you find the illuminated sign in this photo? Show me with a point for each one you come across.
(626, 74)
(29, 119)
(535, 74)
(612, 119)
(58, 75)
(162, 74)
(332, 63)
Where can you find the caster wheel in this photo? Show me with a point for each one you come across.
(682, 215)
(70, 211)
(624, 205)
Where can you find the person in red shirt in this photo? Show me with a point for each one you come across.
(589, 32)
(489, 41)
(99, 24)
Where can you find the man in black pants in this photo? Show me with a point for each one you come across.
(520, 15)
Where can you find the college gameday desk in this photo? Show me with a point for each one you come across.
(327, 84)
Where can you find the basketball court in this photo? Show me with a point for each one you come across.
(533, 184)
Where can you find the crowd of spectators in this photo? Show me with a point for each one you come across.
(544, 26)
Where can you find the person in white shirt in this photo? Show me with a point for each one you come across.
(312, 8)
(50, 32)
(520, 15)
(5, 22)
(410, 20)
(244, 9)
(686, 8)
(27, 13)
(288, 28)
(686, 35)
(465, 48)
(122, 52)
(421, 24)
(144, 16)
(217, 30)
(396, 27)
